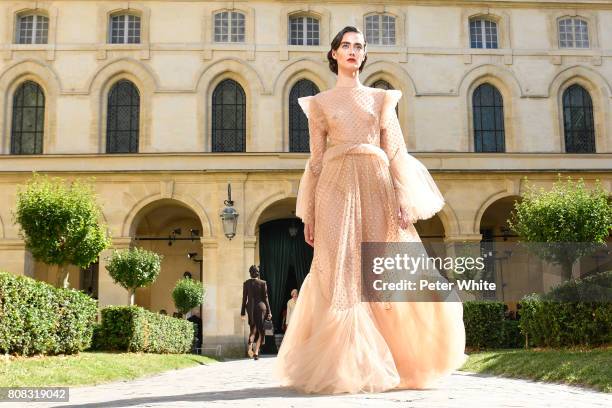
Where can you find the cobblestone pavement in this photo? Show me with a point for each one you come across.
(249, 383)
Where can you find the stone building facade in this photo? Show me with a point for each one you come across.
(166, 102)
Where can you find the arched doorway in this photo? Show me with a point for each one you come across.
(432, 233)
(285, 260)
(172, 229)
(512, 270)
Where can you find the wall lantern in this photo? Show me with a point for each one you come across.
(229, 215)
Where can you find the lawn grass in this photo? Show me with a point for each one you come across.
(581, 367)
(574, 366)
(89, 368)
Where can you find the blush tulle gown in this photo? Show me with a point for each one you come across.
(357, 177)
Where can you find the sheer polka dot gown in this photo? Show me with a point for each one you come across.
(356, 181)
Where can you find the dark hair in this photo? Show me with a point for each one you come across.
(335, 44)
(254, 272)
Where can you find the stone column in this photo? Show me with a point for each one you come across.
(210, 309)
(249, 259)
(15, 258)
(224, 272)
(454, 249)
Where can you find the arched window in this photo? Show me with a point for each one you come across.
(123, 118)
(488, 112)
(229, 26)
(28, 121)
(228, 117)
(32, 29)
(303, 30)
(380, 29)
(299, 140)
(578, 120)
(382, 84)
(483, 34)
(573, 33)
(124, 28)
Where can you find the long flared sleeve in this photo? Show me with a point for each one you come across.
(417, 194)
(317, 129)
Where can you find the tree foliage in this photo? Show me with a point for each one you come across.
(134, 268)
(564, 223)
(60, 222)
(187, 294)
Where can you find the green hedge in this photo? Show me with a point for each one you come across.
(132, 328)
(37, 318)
(594, 288)
(550, 323)
(486, 326)
(512, 336)
(553, 320)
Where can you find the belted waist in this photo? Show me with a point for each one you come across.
(340, 149)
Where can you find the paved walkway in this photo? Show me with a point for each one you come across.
(247, 383)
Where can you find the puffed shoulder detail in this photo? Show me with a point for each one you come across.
(387, 113)
(305, 104)
(392, 97)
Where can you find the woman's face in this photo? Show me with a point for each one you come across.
(351, 52)
(294, 294)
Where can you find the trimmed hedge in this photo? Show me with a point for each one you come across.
(37, 318)
(553, 324)
(551, 320)
(512, 336)
(486, 326)
(132, 328)
(595, 288)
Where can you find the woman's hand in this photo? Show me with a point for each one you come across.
(309, 233)
(404, 218)
(243, 317)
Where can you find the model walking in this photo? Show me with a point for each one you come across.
(255, 303)
(360, 184)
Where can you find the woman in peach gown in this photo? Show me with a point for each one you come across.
(360, 184)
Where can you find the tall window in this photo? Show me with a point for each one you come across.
(32, 29)
(124, 29)
(228, 117)
(229, 26)
(382, 84)
(483, 34)
(123, 118)
(299, 140)
(573, 33)
(380, 29)
(303, 31)
(488, 113)
(578, 120)
(27, 127)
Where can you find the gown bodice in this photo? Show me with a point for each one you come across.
(352, 114)
(363, 120)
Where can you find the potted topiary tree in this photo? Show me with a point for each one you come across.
(134, 268)
(60, 223)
